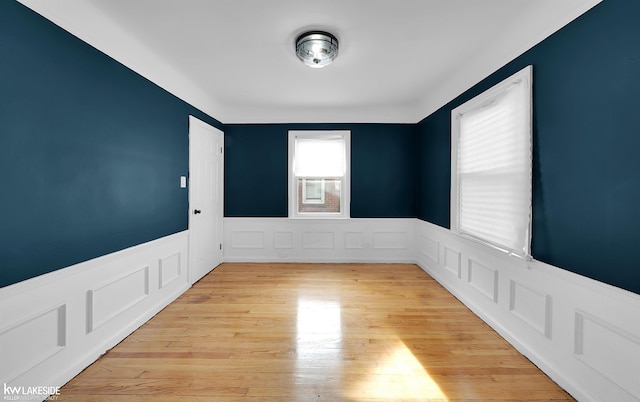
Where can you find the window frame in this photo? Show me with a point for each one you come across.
(474, 104)
(345, 180)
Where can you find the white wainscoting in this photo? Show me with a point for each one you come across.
(584, 334)
(315, 240)
(56, 324)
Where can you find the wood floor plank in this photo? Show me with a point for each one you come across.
(314, 332)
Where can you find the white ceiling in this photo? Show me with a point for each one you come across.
(234, 59)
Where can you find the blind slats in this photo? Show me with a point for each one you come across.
(494, 169)
(319, 157)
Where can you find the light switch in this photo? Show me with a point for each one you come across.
(183, 181)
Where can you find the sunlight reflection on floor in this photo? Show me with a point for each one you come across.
(319, 324)
(400, 376)
(319, 334)
(397, 376)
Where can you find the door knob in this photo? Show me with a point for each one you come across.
(196, 211)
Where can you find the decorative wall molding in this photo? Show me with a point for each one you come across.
(318, 240)
(429, 248)
(169, 270)
(453, 262)
(45, 334)
(582, 333)
(118, 295)
(60, 322)
(390, 240)
(483, 279)
(531, 306)
(591, 334)
(244, 239)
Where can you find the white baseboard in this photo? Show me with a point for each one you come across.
(55, 325)
(582, 333)
(315, 240)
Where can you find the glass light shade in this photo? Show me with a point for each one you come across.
(317, 48)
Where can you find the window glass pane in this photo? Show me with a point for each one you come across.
(319, 195)
(313, 191)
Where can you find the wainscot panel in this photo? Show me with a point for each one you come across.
(55, 325)
(43, 333)
(592, 333)
(319, 240)
(169, 270)
(582, 333)
(531, 306)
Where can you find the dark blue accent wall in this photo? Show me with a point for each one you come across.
(91, 153)
(586, 175)
(382, 169)
(434, 168)
(255, 171)
(383, 165)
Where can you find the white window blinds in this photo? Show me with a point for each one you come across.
(319, 157)
(493, 170)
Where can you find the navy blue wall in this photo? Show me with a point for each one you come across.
(382, 169)
(255, 171)
(434, 168)
(90, 152)
(586, 175)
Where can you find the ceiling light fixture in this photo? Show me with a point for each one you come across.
(317, 48)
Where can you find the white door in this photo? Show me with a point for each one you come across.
(206, 172)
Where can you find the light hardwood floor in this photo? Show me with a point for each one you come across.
(314, 332)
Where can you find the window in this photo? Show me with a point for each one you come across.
(491, 158)
(313, 191)
(319, 174)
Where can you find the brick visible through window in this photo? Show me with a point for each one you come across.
(328, 201)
